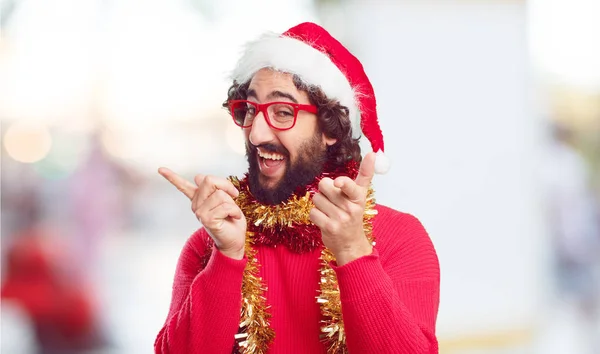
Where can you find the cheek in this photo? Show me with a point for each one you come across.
(291, 143)
(297, 143)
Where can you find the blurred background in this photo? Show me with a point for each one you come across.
(490, 110)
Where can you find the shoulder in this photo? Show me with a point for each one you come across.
(402, 236)
(389, 220)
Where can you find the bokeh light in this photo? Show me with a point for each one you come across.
(564, 41)
(27, 142)
(120, 144)
(67, 153)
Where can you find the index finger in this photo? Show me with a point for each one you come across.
(183, 185)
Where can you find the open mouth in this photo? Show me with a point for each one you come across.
(270, 163)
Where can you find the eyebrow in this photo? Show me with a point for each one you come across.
(273, 94)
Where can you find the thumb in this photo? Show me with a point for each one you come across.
(366, 170)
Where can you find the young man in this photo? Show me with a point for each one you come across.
(296, 257)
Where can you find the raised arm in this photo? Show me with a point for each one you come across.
(206, 303)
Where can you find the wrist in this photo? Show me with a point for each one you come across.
(353, 252)
(237, 254)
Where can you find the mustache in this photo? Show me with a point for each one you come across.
(272, 148)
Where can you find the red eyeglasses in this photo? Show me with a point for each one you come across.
(279, 115)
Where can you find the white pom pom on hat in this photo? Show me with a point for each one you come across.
(317, 58)
(382, 163)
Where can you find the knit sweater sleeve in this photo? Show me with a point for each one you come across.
(206, 301)
(390, 298)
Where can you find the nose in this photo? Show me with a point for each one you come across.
(260, 131)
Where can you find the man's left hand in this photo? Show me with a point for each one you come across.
(338, 212)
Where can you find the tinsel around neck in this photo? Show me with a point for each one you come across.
(287, 223)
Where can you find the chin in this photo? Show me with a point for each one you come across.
(269, 184)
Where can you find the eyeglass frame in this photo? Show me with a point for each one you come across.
(263, 107)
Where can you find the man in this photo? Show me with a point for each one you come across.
(296, 257)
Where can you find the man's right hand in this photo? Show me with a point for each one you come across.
(213, 205)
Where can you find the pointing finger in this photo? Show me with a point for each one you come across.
(183, 185)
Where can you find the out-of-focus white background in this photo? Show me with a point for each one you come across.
(491, 116)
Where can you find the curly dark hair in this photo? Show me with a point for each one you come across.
(333, 120)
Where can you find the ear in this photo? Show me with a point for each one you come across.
(329, 141)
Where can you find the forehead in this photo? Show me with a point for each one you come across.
(268, 80)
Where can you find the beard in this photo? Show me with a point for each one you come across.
(301, 172)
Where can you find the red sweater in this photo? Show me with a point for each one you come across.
(389, 298)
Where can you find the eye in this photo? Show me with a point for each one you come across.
(284, 111)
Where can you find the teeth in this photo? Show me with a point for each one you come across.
(270, 156)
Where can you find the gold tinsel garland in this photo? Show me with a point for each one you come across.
(332, 328)
(295, 211)
(255, 331)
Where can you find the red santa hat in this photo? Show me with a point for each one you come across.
(311, 53)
